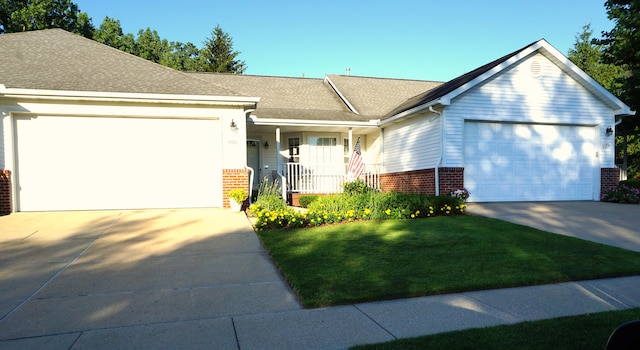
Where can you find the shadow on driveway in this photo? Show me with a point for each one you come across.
(69, 272)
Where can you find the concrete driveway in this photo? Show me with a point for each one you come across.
(70, 278)
(609, 223)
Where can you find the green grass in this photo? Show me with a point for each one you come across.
(568, 333)
(377, 260)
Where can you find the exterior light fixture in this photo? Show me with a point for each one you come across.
(609, 131)
(266, 145)
(233, 125)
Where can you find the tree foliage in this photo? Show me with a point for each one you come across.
(622, 47)
(26, 15)
(588, 54)
(219, 55)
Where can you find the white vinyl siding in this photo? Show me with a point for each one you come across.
(412, 145)
(517, 95)
(89, 163)
(529, 162)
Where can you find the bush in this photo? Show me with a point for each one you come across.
(365, 206)
(356, 187)
(634, 183)
(269, 197)
(306, 200)
(447, 205)
(622, 193)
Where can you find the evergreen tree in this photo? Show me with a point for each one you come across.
(219, 55)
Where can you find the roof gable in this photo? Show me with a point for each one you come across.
(453, 88)
(55, 59)
(375, 97)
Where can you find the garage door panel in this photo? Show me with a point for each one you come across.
(84, 163)
(528, 162)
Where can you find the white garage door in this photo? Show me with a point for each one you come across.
(88, 163)
(526, 162)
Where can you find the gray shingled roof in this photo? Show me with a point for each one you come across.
(287, 98)
(54, 59)
(375, 97)
(316, 99)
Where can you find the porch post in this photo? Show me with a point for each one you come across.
(279, 167)
(350, 147)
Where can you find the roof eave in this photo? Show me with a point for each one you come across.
(124, 96)
(306, 122)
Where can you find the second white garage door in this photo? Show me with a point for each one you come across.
(88, 163)
(527, 162)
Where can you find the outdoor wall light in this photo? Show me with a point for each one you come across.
(609, 131)
(266, 145)
(233, 125)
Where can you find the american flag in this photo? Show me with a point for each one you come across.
(356, 166)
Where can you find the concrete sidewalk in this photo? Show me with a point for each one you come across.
(201, 279)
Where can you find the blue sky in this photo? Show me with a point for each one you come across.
(412, 39)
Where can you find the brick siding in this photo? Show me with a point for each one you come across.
(423, 181)
(609, 177)
(5, 192)
(233, 179)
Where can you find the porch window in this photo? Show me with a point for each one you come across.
(294, 149)
(324, 153)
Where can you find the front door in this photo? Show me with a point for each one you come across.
(253, 161)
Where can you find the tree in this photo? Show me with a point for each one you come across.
(184, 57)
(621, 47)
(150, 46)
(587, 54)
(26, 15)
(219, 55)
(110, 33)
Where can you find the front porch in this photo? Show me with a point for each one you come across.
(301, 178)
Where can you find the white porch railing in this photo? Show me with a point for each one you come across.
(301, 178)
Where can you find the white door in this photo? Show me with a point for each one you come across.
(88, 163)
(529, 162)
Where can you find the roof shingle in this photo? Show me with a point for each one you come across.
(55, 59)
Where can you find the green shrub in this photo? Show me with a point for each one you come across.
(282, 218)
(622, 193)
(269, 197)
(356, 187)
(634, 183)
(447, 205)
(306, 200)
(400, 205)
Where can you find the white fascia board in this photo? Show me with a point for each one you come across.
(342, 97)
(126, 97)
(301, 122)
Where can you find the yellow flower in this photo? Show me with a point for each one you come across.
(413, 216)
(417, 212)
(388, 211)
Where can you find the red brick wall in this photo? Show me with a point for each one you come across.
(5, 192)
(233, 179)
(609, 177)
(423, 181)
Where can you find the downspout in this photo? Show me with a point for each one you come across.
(439, 162)
(246, 166)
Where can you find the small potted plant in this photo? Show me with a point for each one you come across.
(237, 198)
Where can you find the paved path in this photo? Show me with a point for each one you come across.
(200, 279)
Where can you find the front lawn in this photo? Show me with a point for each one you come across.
(377, 260)
(568, 333)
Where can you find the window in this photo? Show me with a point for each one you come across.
(324, 153)
(294, 149)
